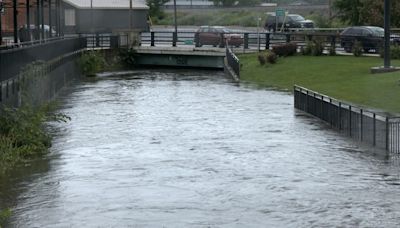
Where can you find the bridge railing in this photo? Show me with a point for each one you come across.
(105, 41)
(233, 61)
(12, 61)
(376, 129)
(260, 40)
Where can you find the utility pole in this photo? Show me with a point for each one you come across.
(175, 35)
(15, 16)
(387, 34)
(28, 19)
(1, 27)
(130, 16)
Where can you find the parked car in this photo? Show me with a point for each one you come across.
(371, 38)
(217, 36)
(291, 21)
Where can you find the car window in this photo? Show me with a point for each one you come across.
(378, 32)
(366, 32)
(297, 18)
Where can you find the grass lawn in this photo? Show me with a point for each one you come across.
(345, 78)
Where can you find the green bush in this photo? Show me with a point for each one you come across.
(262, 58)
(4, 216)
(332, 51)
(92, 62)
(285, 50)
(357, 49)
(395, 51)
(317, 48)
(314, 48)
(272, 58)
(22, 133)
(128, 57)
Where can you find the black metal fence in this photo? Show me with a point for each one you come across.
(12, 61)
(105, 41)
(263, 40)
(366, 126)
(233, 61)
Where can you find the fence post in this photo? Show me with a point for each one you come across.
(97, 40)
(174, 38)
(361, 124)
(340, 116)
(287, 38)
(246, 41)
(387, 133)
(197, 39)
(374, 130)
(350, 120)
(267, 41)
(152, 39)
(222, 40)
(307, 102)
(330, 112)
(333, 42)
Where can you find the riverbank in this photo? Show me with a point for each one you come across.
(346, 78)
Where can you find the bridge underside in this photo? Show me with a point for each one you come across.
(181, 57)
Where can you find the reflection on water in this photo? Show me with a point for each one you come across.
(192, 149)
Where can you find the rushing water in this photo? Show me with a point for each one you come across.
(193, 149)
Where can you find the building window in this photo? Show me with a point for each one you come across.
(70, 17)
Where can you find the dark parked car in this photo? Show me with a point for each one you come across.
(371, 38)
(217, 36)
(291, 21)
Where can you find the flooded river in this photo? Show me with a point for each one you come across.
(192, 149)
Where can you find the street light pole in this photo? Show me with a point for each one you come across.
(175, 36)
(387, 34)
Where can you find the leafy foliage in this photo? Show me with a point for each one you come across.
(91, 62)
(267, 56)
(284, 50)
(357, 49)
(128, 57)
(366, 12)
(4, 215)
(155, 9)
(22, 133)
(314, 47)
(395, 51)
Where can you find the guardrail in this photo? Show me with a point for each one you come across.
(105, 41)
(364, 125)
(233, 61)
(259, 40)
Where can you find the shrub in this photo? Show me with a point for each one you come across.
(308, 48)
(332, 51)
(262, 58)
(284, 50)
(357, 49)
(395, 51)
(128, 57)
(91, 62)
(272, 58)
(317, 48)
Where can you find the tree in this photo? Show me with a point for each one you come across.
(366, 12)
(223, 2)
(249, 2)
(155, 11)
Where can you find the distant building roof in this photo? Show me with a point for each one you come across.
(107, 4)
(190, 3)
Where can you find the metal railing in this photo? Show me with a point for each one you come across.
(260, 40)
(12, 61)
(233, 61)
(105, 41)
(378, 130)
